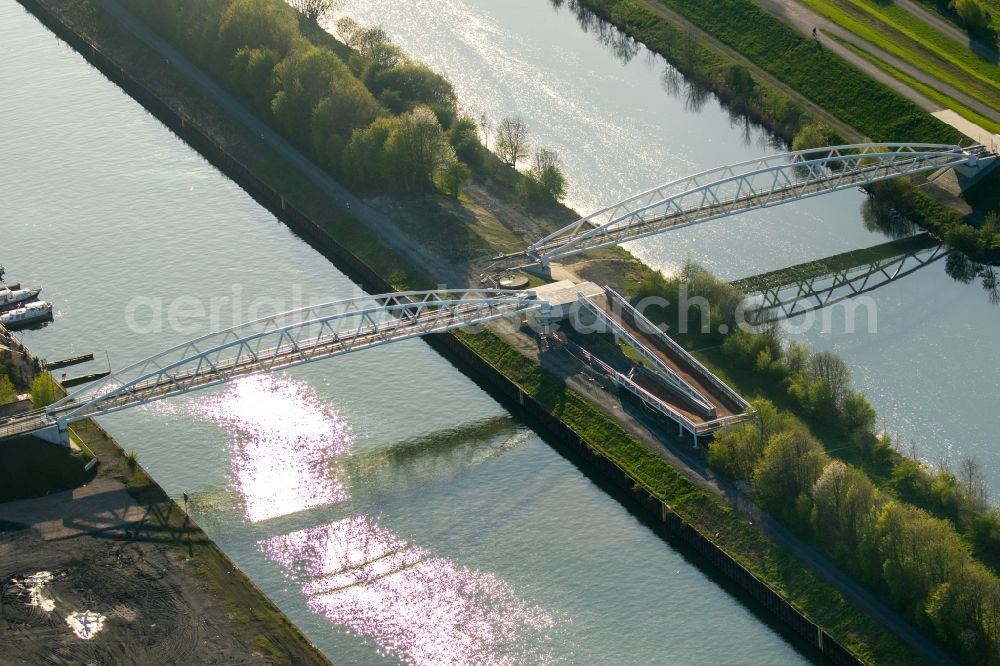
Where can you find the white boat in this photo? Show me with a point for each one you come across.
(12, 298)
(32, 313)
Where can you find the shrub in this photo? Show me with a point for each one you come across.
(44, 390)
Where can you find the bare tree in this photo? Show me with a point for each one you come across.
(512, 140)
(831, 369)
(345, 29)
(970, 473)
(485, 127)
(315, 10)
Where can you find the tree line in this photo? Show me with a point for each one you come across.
(926, 540)
(357, 105)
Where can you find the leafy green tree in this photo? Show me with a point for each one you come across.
(965, 611)
(917, 553)
(911, 480)
(256, 24)
(973, 13)
(791, 463)
(815, 135)
(735, 451)
(545, 179)
(44, 390)
(252, 73)
(363, 159)
(415, 151)
(843, 500)
(373, 44)
(416, 85)
(831, 369)
(303, 78)
(347, 107)
(8, 393)
(453, 178)
(744, 348)
(464, 138)
(796, 357)
(857, 413)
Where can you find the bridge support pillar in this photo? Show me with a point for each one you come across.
(56, 434)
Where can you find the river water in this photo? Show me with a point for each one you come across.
(623, 121)
(385, 502)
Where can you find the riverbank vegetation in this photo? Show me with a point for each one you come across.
(44, 390)
(709, 514)
(800, 62)
(8, 393)
(373, 117)
(927, 541)
(857, 100)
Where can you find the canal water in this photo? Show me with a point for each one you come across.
(623, 121)
(386, 503)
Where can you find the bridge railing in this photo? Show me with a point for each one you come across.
(753, 184)
(293, 338)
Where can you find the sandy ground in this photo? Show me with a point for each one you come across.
(93, 576)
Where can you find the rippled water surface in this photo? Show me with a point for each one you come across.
(623, 121)
(388, 505)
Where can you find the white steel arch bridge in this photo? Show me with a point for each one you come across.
(750, 185)
(276, 342)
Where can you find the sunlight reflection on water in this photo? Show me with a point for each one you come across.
(282, 438)
(420, 608)
(416, 606)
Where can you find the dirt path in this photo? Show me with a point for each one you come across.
(803, 19)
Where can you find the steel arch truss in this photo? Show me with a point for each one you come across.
(289, 339)
(749, 185)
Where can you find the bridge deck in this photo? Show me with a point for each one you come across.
(695, 377)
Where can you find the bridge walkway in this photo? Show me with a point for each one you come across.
(725, 404)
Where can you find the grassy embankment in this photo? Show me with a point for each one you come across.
(813, 72)
(946, 10)
(709, 514)
(746, 543)
(902, 34)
